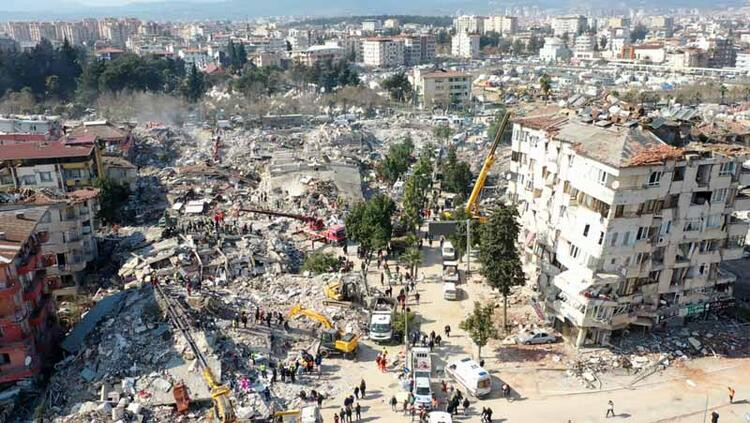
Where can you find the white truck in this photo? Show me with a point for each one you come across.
(420, 362)
(381, 319)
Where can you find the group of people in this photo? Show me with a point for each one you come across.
(351, 405)
(432, 341)
(382, 360)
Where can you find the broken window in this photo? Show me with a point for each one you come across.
(671, 201)
(679, 173)
(703, 175)
(654, 178)
(701, 197)
(727, 169)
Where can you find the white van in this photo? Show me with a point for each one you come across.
(448, 252)
(439, 417)
(381, 328)
(450, 292)
(422, 392)
(471, 376)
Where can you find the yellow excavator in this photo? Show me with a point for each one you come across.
(332, 340)
(342, 290)
(472, 206)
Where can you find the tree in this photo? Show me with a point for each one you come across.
(479, 325)
(442, 132)
(399, 322)
(638, 33)
(495, 124)
(369, 223)
(412, 257)
(320, 262)
(194, 86)
(501, 265)
(545, 84)
(396, 161)
(723, 92)
(456, 174)
(398, 86)
(112, 197)
(518, 46)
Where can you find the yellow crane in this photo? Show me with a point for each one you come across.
(472, 206)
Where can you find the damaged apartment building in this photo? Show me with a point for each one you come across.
(621, 230)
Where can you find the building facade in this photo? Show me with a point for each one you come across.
(383, 52)
(620, 229)
(443, 88)
(571, 25)
(465, 45)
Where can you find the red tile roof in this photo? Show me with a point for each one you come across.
(23, 137)
(42, 151)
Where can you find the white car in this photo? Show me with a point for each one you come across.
(536, 337)
(423, 392)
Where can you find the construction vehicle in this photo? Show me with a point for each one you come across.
(332, 341)
(309, 414)
(315, 226)
(223, 411)
(472, 206)
(346, 287)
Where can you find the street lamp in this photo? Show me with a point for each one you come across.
(705, 408)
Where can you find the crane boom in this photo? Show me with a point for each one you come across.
(472, 206)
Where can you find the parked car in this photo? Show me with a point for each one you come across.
(536, 337)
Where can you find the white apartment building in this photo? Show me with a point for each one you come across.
(442, 88)
(465, 45)
(319, 53)
(505, 25)
(572, 25)
(620, 229)
(554, 50)
(391, 24)
(31, 124)
(469, 24)
(585, 47)
(372, 26)
(383, 52)
(195, 56)
(743, 61)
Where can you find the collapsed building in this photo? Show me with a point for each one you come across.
(621, 229)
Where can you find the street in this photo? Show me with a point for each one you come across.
(540, 394)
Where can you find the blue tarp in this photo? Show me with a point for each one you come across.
(72, 343)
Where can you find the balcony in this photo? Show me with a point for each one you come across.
(742, 201)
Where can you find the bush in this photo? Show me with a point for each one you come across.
(319, 262)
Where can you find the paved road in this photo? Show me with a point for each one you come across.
(541, 397)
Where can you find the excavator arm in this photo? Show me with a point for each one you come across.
(472, 206)
(310, 314)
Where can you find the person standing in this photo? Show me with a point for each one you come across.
(342, 414)
(243, 318)
(393, 403)
(358, 411)
(447, 331)
(610, 409)
(349, 414)
(714, 417)
(466, 405)
(362, 387)
(356, 392)
(731, 394)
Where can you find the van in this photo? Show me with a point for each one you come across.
(439, 417)
(447, 251)
(471, 376)
(422, 392)
(449, 291)
(421, 362)
(381, 328)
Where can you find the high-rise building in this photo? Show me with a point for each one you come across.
(504, 25)
(571, 25)
(620, 229)
(465, 45)
(383, 52)
(469, 24)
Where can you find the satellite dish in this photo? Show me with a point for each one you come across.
(615, 184)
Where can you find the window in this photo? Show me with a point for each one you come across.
(45, 176)
(601, 238)
(6, 180)
(642, 233)
(692, 225)
(602, 177)
(719, 196)
(727, 169)
(28, 180)
(619, 211)
(626, 238)
(713, 221)
(679, 173)
(654, 178)
(562, 210)
(574, 251)
(73, 173)
(613, 240)
(665, 227)
(586, 230)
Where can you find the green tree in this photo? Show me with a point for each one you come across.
(412, 257)
(495, 124)
(194, 86)
(456, 174)
(396, 161)
(545, 85)
(369, 223)
(398, 86)
(723, 92)
(320, 262)
(442, 132)
(479, 325)
(399, 322)
(501, 265)
(112, 198)
(518, 46)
